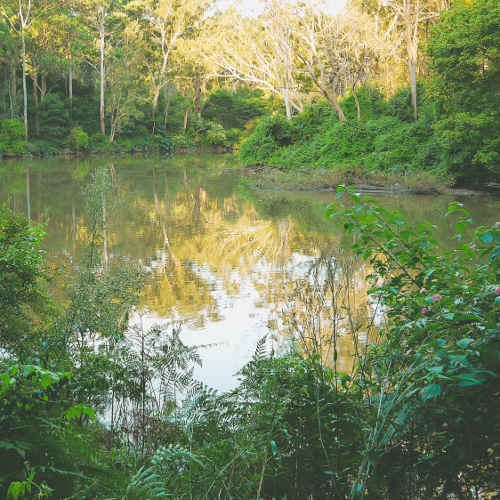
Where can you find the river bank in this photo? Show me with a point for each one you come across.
(32, 151)
(317, 179)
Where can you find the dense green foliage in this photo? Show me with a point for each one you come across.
(457, 133)
(464, 51)
(62, 125)
(387, 141)
(22, 299)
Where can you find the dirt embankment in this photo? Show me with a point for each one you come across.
(375, 183)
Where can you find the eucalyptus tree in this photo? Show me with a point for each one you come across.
(21, 15)
(323, 45)
(45, 55)
(196, 66)
(258, 52)
(8, 63)
(123, 89)
(166, 22)
(363, 53)
(409, 16)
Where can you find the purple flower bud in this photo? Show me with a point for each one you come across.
(424, 310)
(497, 290)
(437, 297)
(473, 247)
(497, 223)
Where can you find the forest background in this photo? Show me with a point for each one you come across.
(393, 86)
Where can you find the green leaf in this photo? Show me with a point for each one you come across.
(274, 447)
(431, 391)
(467, 380)
(88, 411)
(495, 252)
(464, 343)
(70, 414)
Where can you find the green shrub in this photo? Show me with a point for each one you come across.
(235, 109)
(182, 141)
(167, 147)
(12, 128)
(234, 136)
(99, 139)
(350, 110)
(78, 138)
(11, 141)
(216, 136)
(53, 117)
(270, 135)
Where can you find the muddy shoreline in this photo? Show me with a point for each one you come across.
(372, 183)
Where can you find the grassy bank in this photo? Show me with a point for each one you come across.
(314, 178)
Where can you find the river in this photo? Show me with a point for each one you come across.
(221, 257)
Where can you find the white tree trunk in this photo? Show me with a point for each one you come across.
(101, 108)
(25, 92)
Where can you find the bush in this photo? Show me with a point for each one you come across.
(78, 138)
(434, 374)
(270, 135)
(53, 117)
(182, 141)
(13, 128)
(99, 139)
(167, 147)
(216, 136)
(11, 142)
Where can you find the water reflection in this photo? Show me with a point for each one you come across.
(233, 264)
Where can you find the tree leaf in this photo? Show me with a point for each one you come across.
(274, 447)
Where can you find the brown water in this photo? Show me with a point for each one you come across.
(221, 257)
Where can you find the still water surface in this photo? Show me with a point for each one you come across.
(221, 257)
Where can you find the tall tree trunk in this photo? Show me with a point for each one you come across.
(13, 87)
(286, 96)
(70, 81)
(197, 99)
(155, 105)
(101, 107)
(43, 89)
(186, 120)
(287, 89)
(25, 92)
(155, 102)
(35, 94)
(334, 101)
(356, 101)
(112, 133)
(412, 48)
(167, 105)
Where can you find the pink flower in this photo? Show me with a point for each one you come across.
(434, 433)
(473, 247)
(424, 310)
(497, 223)
(437, 297)
(445, 425)
(497, 290)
